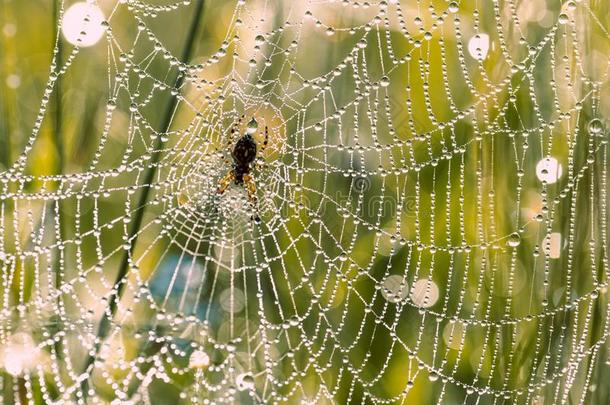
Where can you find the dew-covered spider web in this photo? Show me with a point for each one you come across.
(433, 204)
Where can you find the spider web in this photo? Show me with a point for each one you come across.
(433, 205)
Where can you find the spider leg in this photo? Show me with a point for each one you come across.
(228, 143)
(251, 190)
(224, 183)
(234, 130)
(263, 148)
(266, 141)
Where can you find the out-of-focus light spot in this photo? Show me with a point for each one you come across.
(478, 46)
(112, 352)
(192, 273)
(199, 359)
(82, 24)
(424, 293)
(549, 170)
(386, 242)
(19, 354)
(532, 12)
(13, 81)
(545, 18)
(453, 334)
(232, 302)
(552, 245)
(9, 30)
(395, 288)
(532, 204)
(224, 251)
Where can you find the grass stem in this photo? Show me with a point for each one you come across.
(149, 175)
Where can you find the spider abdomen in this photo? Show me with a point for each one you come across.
(243, 155)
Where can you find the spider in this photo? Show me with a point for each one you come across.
(244, 154)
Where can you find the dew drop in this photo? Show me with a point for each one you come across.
(330, 31)
(595, 126)
(514, 239)
(245, 381)
(453, 7)
(252, 126)
(563, 18)
(199, 359)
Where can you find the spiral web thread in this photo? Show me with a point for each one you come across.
(433, 206)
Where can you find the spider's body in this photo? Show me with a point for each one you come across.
(244, 154)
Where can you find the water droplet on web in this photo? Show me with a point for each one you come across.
(453, 7)
(563, 18)
(330, 31)
(244, 381)
(252, 126)
(551, 245)
(259, 40)
(199, 359)
(514, 239)
(595, 127)
(385, 81)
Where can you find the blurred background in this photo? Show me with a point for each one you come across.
(433, 201)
